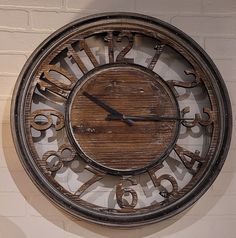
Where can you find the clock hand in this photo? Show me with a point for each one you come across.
(148, 118)
(109, 109)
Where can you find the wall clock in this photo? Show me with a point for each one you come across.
(121, 119)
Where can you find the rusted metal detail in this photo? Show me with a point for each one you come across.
(198, 119)
(53, 84)
(157, 182)
(60, 159)
(187, 84)
(121, 56)
(71, 53)
(159, 49)
(121, 191)
(42, 125)
(118, 116)
(109, 39)
(189, 158)
(96, 177)
(84, 46)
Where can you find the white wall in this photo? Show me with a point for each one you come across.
(24, 212)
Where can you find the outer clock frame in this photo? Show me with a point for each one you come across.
(175, 201)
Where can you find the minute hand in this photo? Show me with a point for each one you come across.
(148, 118)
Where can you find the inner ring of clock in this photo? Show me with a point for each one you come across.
(117, 118)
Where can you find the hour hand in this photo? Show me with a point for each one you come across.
(148, 118)
(108, 108)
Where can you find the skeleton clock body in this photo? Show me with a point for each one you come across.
(121, 119)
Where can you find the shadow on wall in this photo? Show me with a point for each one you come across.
(81, 228)
(10, 229)
(41, 207)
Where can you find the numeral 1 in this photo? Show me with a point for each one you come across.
(71, 53)
(84, 46)
(109, 39)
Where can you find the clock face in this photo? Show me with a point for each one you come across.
(117, 145)
(121, 119)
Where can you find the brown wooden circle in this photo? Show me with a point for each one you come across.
(116, 146)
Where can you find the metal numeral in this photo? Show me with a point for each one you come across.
(192, 84)
(71, 53)
(188, 158)
(97, 176)
(121, 56)
(59, 159)
(42, 125)
(198, 119)
(84, 46)
(159, 49)
(121, 191)
(157, 181)
(109, 39)
(53, 84)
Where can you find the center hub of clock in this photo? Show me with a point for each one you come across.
(112, 118)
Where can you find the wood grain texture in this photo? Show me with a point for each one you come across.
(131, 91)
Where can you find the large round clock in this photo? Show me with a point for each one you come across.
(121, 119)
